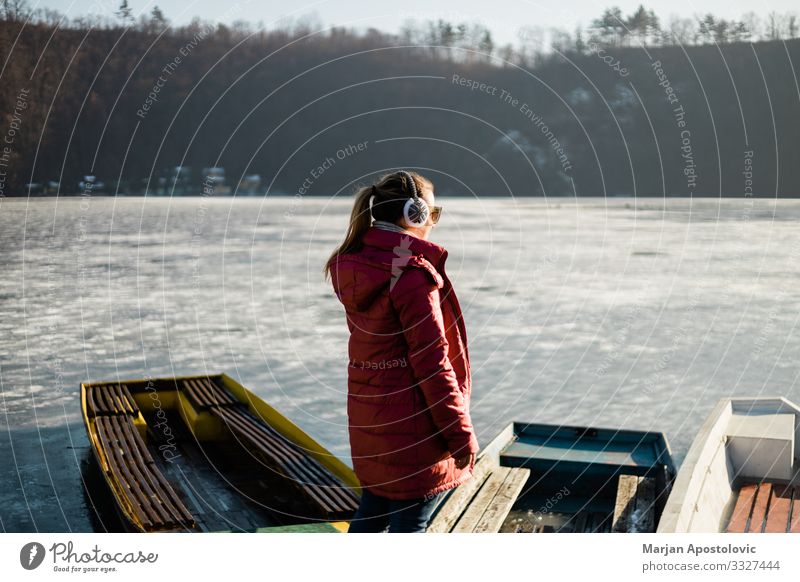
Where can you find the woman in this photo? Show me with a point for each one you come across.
(409, 385)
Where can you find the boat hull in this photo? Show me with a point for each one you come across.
(213, 456)
(743, 441)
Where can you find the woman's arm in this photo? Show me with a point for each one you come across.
(416, 299)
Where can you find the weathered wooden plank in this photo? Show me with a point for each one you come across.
(498, 509)
(470, 518)
(779, 508)
(455, 504)
(125, 480)
(91, 404)
(644, 519)
(760, 508)
(131, 403)
(625, 502)
(127, 404)
(634, 510)
(283, 460)
(104, 406)
(315, 471)
(222, 395)
(214, 394)
(743, 508)
(151, 500)
(165, 494)
(117, 398)
(108, 394)
(197, 394)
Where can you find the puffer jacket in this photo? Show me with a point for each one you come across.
(409, 381)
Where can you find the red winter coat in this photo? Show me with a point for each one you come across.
(409, 377)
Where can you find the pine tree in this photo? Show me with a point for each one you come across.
(124, 12)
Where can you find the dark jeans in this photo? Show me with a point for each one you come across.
(376, 513)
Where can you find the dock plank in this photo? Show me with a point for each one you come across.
(455, 504)
(625, 502)
(473, 513)
(634, 510)
(646, 506)
(501, 504)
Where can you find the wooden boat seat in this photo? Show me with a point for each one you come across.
(110, 399)
(635, 507)
(203, 394)
(314, 481)
(143, 487)
(766, 508)
(481, 504)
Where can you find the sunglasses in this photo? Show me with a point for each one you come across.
(436, 214)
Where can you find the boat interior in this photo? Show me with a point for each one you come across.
(203, 454)
(742, 473)
(549, 478)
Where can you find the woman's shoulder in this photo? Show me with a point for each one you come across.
(414, 271)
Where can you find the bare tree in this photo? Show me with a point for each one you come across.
(530, 41)
(752, 22)
(791, 25)
(681, 31)
(774, 22)
(15, 10)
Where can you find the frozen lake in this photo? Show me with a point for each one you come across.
(636, 313)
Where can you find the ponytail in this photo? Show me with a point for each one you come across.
(360, 221)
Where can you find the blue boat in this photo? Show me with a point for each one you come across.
(540, 478)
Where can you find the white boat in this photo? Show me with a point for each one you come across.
(742, 472)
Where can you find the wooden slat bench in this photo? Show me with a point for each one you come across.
(203, 394)
(483, 502)
(635, 507)
(766, 508)
(110, 399)
(315, 482)
(148, 494)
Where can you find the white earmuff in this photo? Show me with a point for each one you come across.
(415, 211)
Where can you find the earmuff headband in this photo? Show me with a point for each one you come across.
(416, 210)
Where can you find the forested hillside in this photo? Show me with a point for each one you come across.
(628, 106)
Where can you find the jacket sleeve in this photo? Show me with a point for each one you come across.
(416, 300)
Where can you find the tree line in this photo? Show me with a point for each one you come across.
(628, 105)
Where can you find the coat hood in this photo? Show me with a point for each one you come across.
(359, 278)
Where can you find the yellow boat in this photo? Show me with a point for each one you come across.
(203, 453)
